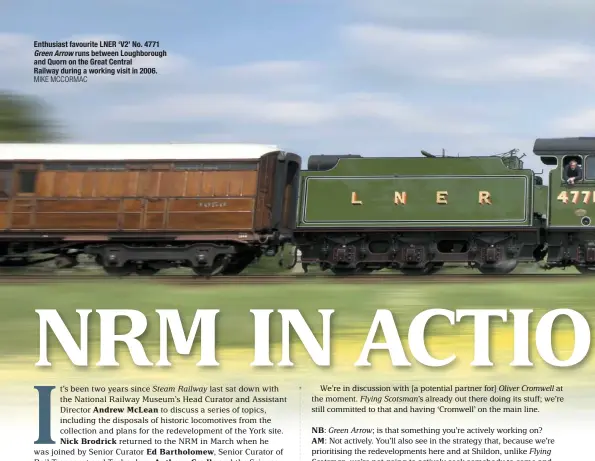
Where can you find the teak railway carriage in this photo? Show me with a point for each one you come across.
(217, 207)
(140, 208)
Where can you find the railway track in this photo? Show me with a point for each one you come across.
(276, 279)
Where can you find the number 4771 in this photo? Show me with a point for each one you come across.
(574, 196)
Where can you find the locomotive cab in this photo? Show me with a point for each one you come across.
(571, 206)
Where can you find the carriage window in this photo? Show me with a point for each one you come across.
(27, 181)
(590, 167)
(5, 179)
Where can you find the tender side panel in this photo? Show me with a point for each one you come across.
(135, 200)
(447, 201)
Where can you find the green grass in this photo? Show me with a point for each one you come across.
(354, 304)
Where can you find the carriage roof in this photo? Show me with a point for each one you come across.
(122, 152)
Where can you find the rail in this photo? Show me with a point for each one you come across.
(275, 279)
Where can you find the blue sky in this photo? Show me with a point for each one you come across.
(375, 77)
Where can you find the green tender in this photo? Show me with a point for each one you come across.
(327, 196)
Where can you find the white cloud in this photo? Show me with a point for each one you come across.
(466, 56)
(581, 123)
(15, 53)
(222, 107)
(264, 77)
(225, 107)
(269, 70)
(504, 18)
(238, 108)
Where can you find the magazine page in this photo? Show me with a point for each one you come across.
(296, 231)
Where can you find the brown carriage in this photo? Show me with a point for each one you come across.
(212, 207)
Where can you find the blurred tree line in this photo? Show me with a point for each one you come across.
(24, 119)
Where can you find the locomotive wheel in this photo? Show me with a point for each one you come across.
(428, 269)
(501, 268)
(123, 271)
(114, 271)
(217, 269)
(586, 270)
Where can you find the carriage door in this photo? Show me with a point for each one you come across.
(24, 203)
(152, 182)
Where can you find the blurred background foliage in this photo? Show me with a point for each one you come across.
(25, 118)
